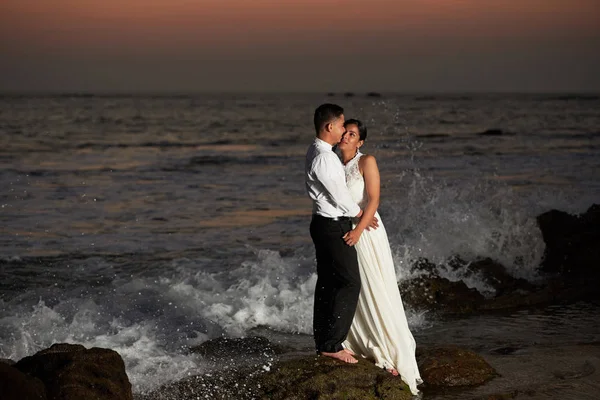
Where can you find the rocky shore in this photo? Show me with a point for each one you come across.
(66, 371)
(570, 272)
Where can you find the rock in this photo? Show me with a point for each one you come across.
(308, 377)
(436, 293)
(572, 243)
(496, 276)
(373, 94)
(74, 372)
(223, 348)
(315, 377)
(226, 384)
(492, 132)
(7, 361)
(451, 366)
(15, 385)
(431, 292)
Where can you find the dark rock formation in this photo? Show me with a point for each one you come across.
(74, 372)
(223, 347)
(308, 377)
(436, 293)
(492, 132)
(452, 366)
(317, 377)
(225, 384)
(15, 385)
(572, 243)
(570, 272)
(494, 275)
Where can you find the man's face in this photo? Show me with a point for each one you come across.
(338, 128)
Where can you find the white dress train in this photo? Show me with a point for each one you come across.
(379, 331)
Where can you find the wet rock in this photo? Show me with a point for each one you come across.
(572, 243)
(309, 377)
(494, 132)
(436, 293)
(226, 384)
(431, 292)
(224, 348)
(317, 377)
(493, 274)
(74, 372)
(15, 385)
(451, 366)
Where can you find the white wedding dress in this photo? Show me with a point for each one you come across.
(379, 331)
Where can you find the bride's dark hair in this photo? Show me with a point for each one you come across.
(362, 128)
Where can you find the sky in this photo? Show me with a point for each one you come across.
(299, 45)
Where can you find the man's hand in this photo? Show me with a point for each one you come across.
(351, 238)
(374, 224)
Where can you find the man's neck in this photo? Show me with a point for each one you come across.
(327, 139)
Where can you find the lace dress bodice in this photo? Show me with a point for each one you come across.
(355, 181)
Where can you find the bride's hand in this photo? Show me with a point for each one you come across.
(351, 238)
(374, 224)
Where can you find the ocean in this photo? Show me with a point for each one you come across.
(150, 224)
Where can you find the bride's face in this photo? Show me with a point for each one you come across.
(350, 139)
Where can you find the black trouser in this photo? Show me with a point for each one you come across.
(338, 283)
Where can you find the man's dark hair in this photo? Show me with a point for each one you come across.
(362, 128)
(325, 114)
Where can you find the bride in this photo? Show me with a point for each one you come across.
(379, 330)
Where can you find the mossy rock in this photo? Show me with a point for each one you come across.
(435, 293)
(71, 371)
(323, 378)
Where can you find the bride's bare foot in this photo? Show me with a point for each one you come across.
(393, 371)
(341, 355)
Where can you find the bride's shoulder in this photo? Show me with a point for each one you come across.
(367, 161)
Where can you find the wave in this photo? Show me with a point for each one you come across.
(153, 321)
(437, 221)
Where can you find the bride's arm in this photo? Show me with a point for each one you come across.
(372, 186)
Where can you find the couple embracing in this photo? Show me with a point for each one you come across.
(358, 311)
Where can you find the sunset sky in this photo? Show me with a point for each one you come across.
(299, 45)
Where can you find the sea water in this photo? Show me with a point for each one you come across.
(150, 224)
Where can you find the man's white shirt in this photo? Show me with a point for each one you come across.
(326, 182)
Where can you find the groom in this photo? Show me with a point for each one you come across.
(338, 282)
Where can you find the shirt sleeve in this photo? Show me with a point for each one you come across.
(330, 174)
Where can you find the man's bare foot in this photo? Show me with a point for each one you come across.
(393, 371)
(341, 355)
(349, 352)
